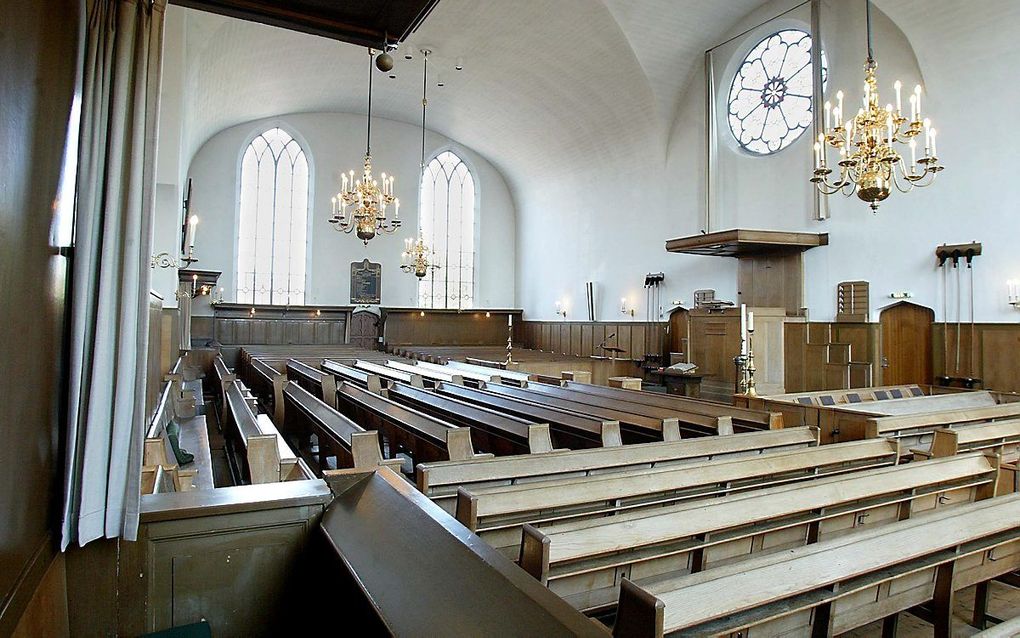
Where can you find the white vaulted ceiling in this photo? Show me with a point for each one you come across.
(547, 84)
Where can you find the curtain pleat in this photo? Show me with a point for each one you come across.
(112, 245)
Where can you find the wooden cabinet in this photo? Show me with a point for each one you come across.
(715, 341)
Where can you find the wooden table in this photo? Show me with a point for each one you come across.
(685, 385)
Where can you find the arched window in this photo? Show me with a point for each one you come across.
(273, 221)
(447, 223)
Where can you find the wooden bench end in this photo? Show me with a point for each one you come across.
(639, 614)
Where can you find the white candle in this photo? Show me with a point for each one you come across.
(917, 93)
(396, 208)
(889, 125)
(839, 102)
(913, 154)
(750, 322)
(818, 155)
(899, 104)
(510, 321)
(828, 115)
(913, 107)
(192, 223)
(927, 137)
(194, 284)
(743, 329)
(385, 184)
(934, 153)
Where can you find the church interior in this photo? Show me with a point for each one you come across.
(631, 318)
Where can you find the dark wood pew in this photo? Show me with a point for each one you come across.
(585, 561)
(268, 383)
(690, 422)
(367, 380)
(265, 456)
(223, 376)
(441, 481)
(322, 385)
(337, 436)
(497, 514)
(569, 429)
(743, 418)
(422, 575)
(666, 427)
(829, 588)
(495, 432)
(423, 437)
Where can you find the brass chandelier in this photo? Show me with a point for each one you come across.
(369, 199)
(417, 257)
(869, 162)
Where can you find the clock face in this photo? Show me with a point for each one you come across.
(769, 103)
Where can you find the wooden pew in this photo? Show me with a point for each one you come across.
(322, 385)
(266, 381)
(925, 404)
(999, 437)
(432, 374)
(495, 432)
(224, 376)
(440, 481)
(370, 382)
(391, 374)
(267, 457)
(743, 418)
(157, 451)
(505, 376)
(696, 423)
(468, 374)
(585, 561)
(831, 587)
(668, 427)
(337, 436)
(917, 430)
(424, 437)
(497, 514)
(569, 429)
(422, 576)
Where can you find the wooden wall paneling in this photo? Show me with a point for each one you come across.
(639, 341)
(575, 339)
(998, 348)
(771, 281)
(587, 346)
(153, 358)
(46, 614)
(624, 336)
(598, 335)
(795, 356)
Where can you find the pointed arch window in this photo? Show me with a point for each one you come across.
(273, 229)
(446, 221)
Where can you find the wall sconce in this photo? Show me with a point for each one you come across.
(561, 309)
(421, 314)
(318, 313)
(251, 312)
(487, 315)
(164, 260)
(1013, 291)
(623, 307)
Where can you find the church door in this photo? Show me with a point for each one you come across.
(906, 344)
(365, 330)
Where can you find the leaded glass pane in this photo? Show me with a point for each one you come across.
(446, 222)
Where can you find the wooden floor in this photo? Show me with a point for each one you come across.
(1003, 602)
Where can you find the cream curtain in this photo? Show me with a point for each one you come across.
(112, 245)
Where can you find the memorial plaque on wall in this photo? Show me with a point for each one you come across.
(366, 282)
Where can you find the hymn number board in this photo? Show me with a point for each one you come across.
(366, 282)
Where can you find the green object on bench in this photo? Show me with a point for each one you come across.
(194, 630)
(173, 432)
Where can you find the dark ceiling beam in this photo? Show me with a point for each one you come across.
(362, 24)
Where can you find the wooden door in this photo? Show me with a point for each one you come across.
(679, 336)
(365, 330)
(906, 344)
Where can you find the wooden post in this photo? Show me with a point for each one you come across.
(942, 601)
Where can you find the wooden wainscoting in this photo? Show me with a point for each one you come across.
(831, 356)
(994, 351)
(582, 338)
(234, 324)
(424, 327)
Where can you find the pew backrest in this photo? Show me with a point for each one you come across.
(367, 380)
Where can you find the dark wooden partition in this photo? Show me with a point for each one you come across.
(236, 324)
(582, 338)
(423, 327)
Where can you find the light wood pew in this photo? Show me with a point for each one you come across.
(839, 397)
(424, 576)
(337, 436)
(440, 481)
(585, 561)
(367, 380)
(925, 404)
(569, 429)
(917, 430)
(424, 437)
(999, 437)
(667, 427)
(743, 418)
(468, 375)
(391, 374)
(832, 587)
(693, 422)
(497, 514)
(432, 374)
(493, 431)
(322, 385)
(267, 457)
(163, 479)
(505, 375)
(1006, 629)
(223, 376)
(267, 382)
